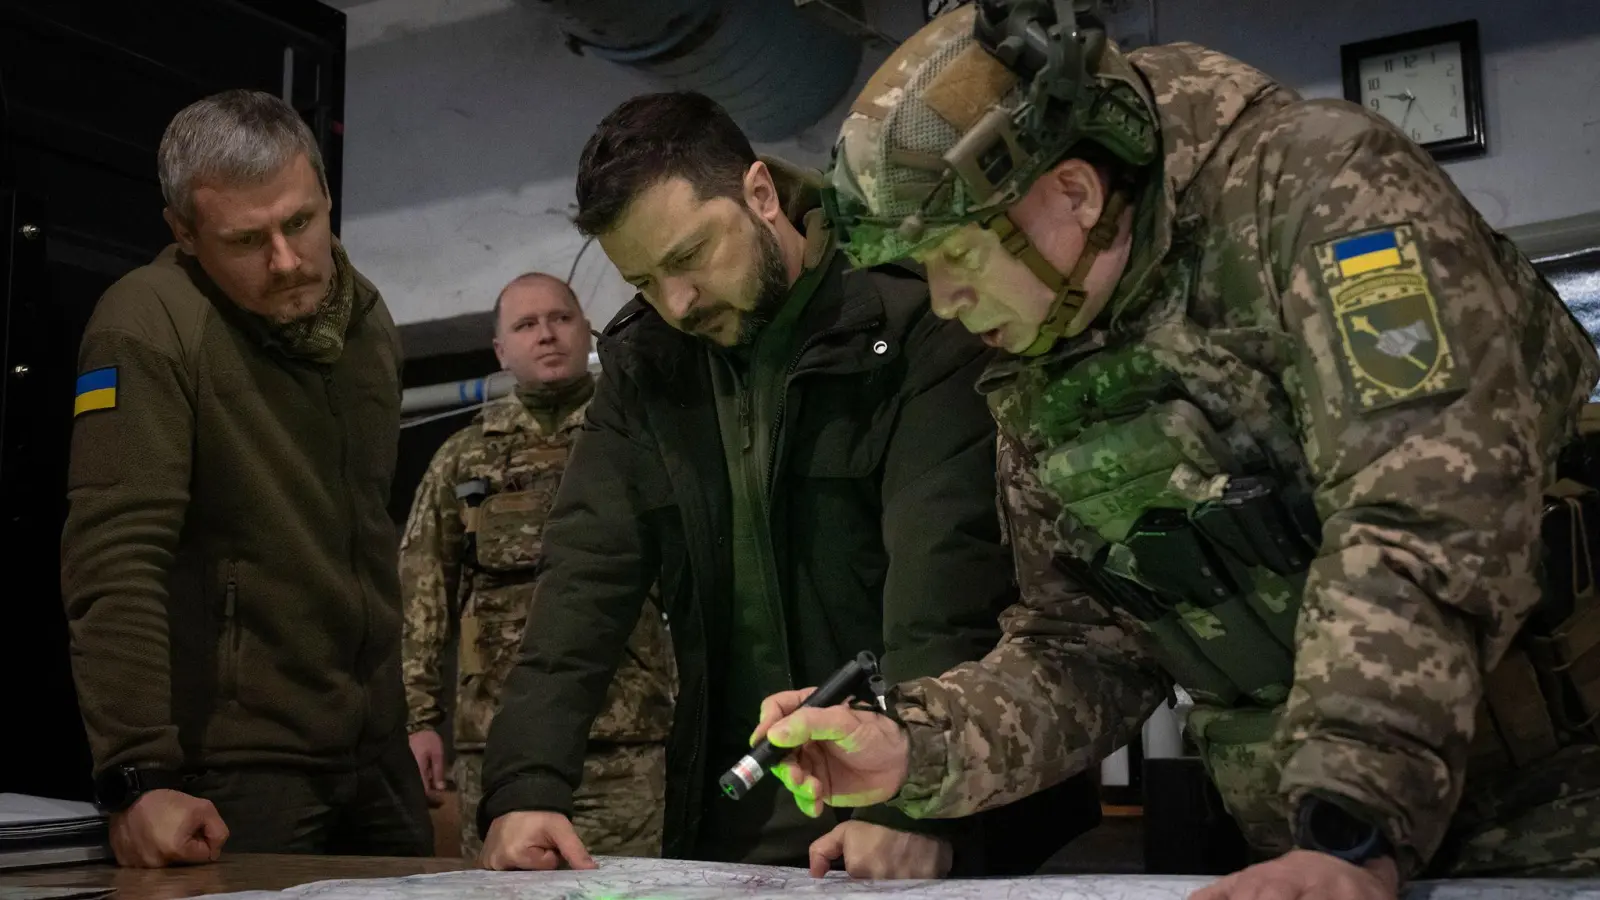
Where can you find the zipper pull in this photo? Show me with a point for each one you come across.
(880, 692)
(231, 602)
(744, 417)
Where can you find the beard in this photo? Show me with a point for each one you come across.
(772, 286)
(770, 290)
(304, 302)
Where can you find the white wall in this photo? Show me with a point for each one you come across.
(465, 119)
(1541, 81)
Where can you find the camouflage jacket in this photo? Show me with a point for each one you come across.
(1426, 482)
(522, 465)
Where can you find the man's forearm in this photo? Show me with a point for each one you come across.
(119, 662)
(114, 590)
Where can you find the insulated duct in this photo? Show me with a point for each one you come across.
(455, 394)
(774, 69)
(470, 392)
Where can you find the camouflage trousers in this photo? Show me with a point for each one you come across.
(1539, 821)
(618, 810)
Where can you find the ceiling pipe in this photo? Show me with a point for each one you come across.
(776, 69)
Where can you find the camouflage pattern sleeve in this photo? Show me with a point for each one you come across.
(430, 572)
(1433, 375)
(1066, 686)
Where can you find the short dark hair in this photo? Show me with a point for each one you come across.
(534, 278)
(654, 137)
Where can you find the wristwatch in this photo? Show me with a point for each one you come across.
(119, 787)
(1327, 827)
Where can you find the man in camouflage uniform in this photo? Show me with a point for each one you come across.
(1280, 424)
(472, 552)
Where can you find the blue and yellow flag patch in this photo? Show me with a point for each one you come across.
(96, 390)
(1393, 344)
(1367, 253)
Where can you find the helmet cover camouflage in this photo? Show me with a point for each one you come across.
(945, 133)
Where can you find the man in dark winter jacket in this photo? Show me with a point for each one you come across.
(797, 452)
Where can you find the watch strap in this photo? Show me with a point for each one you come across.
(120, 787)
(1329, 827)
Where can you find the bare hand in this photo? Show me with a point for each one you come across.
(1308, 875)
(428, 748)
(874, 851)
(533, 840)
(164, 828)
(845, 756)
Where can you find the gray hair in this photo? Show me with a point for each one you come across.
(236, 137)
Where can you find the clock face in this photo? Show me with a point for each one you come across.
(1422, 90)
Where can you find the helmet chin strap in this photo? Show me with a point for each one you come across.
(1071, 295)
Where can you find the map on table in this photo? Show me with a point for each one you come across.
(670, 879)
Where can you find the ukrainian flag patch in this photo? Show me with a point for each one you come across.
(1394, 345)
(96, 390)
(1367, 253)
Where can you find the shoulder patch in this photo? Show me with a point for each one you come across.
(1393, 346)
(96, 390)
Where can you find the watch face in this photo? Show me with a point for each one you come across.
(113, 789)
(1421, 90)
(1327, 828)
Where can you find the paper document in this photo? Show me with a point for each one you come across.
(668, 879)
(39, 831)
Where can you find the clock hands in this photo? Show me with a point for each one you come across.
(1411, 101)
(1411, 104)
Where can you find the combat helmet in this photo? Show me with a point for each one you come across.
(958, 123)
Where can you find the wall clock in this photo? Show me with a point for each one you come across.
(1429, 83)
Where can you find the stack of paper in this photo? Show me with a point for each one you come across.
(37, 831)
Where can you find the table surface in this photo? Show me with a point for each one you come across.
(662, 878)
(235, 872)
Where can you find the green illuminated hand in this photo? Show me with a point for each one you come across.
(844, 756)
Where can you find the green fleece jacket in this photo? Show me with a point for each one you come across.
(228, 565)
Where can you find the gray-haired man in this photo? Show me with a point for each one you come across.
(228, 564)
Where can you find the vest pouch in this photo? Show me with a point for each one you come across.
(1241, 755)
(1276, 602)
(1520, 717)
(1237, 643)
(491, 639)
(1118, 469)
(1213, 609)
(1186, 665)
(510, 531)
(1274, 536)
(1563, 632)
(1111, 577)
(1263, 528)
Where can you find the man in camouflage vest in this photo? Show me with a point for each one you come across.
(471, 555)
(1281, 419)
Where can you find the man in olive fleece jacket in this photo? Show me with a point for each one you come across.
(228, 564)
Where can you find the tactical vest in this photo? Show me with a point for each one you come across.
(503, 517)
(502, 520)
(1203, 536)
